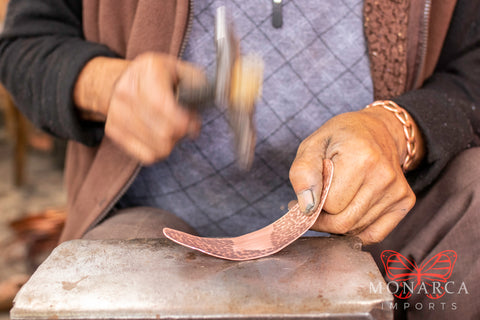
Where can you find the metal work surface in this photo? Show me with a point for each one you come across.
(151, 279)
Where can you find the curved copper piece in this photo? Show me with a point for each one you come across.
(263, 242)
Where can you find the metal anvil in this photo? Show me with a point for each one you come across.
(314, 278)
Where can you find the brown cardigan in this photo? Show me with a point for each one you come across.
(97, 177)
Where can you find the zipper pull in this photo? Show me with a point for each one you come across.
(277, 16)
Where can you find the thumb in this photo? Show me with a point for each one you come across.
(306, 176)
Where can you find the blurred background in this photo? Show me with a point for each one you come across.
(32, 198)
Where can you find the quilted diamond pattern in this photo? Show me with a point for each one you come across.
(316, 66)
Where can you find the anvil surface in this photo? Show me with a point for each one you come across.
(155, 278)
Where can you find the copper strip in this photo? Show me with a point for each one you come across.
(263, 242)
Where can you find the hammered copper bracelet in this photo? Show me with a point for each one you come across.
(263, 242)
(408, 128)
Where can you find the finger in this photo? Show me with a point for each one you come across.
(382, 227)
(156, 99)
(390, 201)
(384, 190)
(132, 146)
(365, 202)
(165, 109)
(373, 214)
(306, 177)
(147, 90)
(349, 176)
(127, 128)
(160, 141)
(372, 197)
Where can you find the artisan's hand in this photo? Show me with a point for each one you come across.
(138, 103)
(369, 194)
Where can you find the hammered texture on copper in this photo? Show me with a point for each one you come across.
(263, 242)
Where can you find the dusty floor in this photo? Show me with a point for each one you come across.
(43, 189)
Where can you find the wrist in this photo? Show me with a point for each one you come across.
(94, 86)
(404, 131)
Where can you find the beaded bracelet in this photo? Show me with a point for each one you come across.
(408, 129)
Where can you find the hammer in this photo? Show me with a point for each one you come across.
(237, 86)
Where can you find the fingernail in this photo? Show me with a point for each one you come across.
(306, 202)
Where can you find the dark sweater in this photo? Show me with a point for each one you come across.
(42, 51)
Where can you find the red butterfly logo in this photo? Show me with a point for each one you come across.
(429, 278)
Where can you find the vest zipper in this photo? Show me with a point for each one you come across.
(127, 185)
(188, 29)
(424, 43)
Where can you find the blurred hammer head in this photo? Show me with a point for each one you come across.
(245, 88)
(237, 86)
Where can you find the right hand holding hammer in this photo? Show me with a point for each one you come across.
(137, 101)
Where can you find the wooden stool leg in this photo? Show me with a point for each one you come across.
(20, 129)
